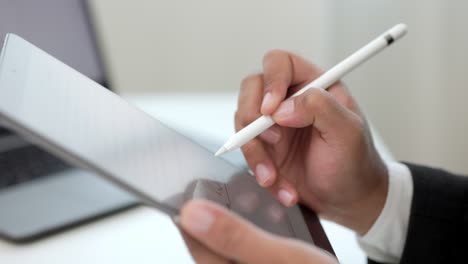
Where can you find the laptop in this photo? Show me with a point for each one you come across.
(41, 194)
(68, 114)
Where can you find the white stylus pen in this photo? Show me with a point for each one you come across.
(323, 82)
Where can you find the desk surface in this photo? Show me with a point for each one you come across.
(146, 235)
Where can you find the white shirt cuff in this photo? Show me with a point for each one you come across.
(385, 240)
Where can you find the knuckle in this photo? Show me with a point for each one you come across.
(346, 98)
(360, 128)
(243, 118)
(250, 80)
(249, 149)
(250, 116)
(314, 99)
(349, 103)
(357, 132)
(277, 85)
(273, 53)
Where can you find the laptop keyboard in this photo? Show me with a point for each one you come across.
(27, 163)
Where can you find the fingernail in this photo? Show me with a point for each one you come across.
(199, 220)
(271, 135)
(267, 100)
(285, 197)
(285, 109)
(263, 173)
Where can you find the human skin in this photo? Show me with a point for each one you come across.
(320, 152)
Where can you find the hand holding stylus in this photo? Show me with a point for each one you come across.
(314, 147)
(320, 151)
(321, 82)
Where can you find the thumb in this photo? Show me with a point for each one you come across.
(225, 233)
(315, 107)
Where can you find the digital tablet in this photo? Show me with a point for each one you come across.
(76, 119)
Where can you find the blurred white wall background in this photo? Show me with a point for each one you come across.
(206, 45)
(415, 93)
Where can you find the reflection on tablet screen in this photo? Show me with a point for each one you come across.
(77, 119)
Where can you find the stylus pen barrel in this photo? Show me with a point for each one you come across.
(249, 132)
(323, 82)
(338, 71)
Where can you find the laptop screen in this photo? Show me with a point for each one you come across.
(60, 27)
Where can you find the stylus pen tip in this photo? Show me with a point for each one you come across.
(221, 151)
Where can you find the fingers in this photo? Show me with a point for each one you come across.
(200, 253)
(260, 162)
(233, 238)
(266, 172)
(282, 70)
(318, 108)
(254, 151)
(284, 192)
(226, 234)
(343, 95)
(272, 135)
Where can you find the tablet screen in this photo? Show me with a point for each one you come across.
(73, 117)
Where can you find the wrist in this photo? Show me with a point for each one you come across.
(371, 208)
(362, 213)
(385, 240)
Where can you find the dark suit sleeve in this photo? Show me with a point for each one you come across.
(438, 224)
